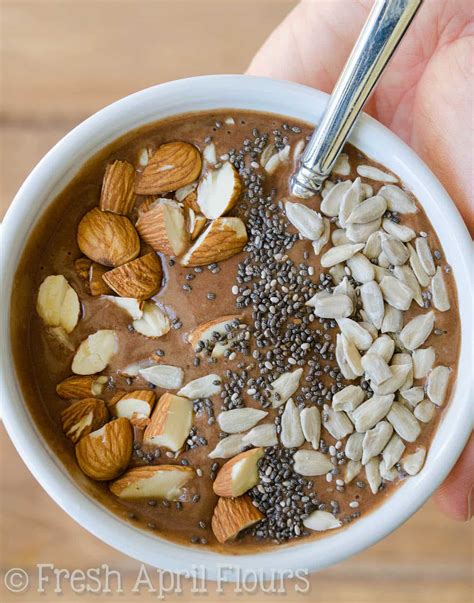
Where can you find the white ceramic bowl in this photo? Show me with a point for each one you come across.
(241, 92)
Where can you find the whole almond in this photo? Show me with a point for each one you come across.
(163, 227)
(223, 238)
(82, 417)
(118, 188)
(232, 515)
(107, 238)
(140, 278)
(81, 386)
(105, 453)
(172, 166)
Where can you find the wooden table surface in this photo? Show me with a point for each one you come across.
(61, 61)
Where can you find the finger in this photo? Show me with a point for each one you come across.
(455, 496)
(312, 44)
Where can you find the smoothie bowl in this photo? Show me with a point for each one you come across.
(201, 369)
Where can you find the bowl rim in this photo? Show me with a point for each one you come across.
(260, 94)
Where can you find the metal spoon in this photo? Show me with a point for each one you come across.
(386, 25)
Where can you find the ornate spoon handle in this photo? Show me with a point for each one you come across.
(385, 27)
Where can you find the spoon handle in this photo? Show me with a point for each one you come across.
(382, 32)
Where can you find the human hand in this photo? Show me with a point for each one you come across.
(426, 97)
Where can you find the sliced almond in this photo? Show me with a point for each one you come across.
(162, 481)
(320, 521)
(291, 434)
(223, 238)
(423, 360)
(195, 224)
(437, 385)
(352, 470)
(373, 173)
(403, 421)
(362, 270)
(412, 463)
(355, 333)
(424, 253)
(372, 302)
(339, 254)
(170, 422)
(375, 440)
(205, 331)
(392, 320)
(132, 306)
(440, 292)
(57, 303)
(353, 449)
(133, 405)
(360, 233)
(163, 375)
(228, 447)
(417, 330)
(383, 346)
(284, 387)
(372, 472)
(95, 352)
(140, 278)
(393, 383)
(232, 516)
(406, 275)
(218, 191)
(76, 387)
(182, 195)
(348, 398)
(397, 199)
(311, 463)
(118, 188)
(376, 369)
(422, 277)
(393, 451)
(105, 453)
(311, 425)
(163, 227)
(261, 435)
(333, 306)
(319, 244)
(425, 411)
(82, 417)
(153, 322)
(108, 239)
(400, 231)
(368, 210)
(240, 419)
(203, 387)
(238, 475)
(368, 414)
(307, 222)
(331, 203)
(337, 423)
(172, 166)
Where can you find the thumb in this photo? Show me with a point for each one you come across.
(455, 496)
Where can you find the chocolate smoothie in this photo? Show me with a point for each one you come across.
(220, 363)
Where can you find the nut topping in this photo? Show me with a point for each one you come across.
(140, 278)
(107, 238)
(172, 166)
(104, 454)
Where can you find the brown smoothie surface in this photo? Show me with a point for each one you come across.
(193, 295)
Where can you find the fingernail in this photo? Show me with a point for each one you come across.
(469, 503)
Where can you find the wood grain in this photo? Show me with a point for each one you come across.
(61, 61)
